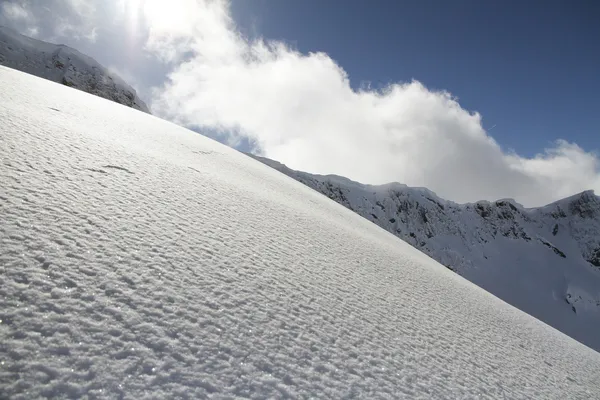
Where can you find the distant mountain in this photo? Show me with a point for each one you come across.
(544, 260)
(63, 64)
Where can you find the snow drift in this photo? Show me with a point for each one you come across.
(141, 260)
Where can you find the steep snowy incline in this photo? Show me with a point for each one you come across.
(141, 260)
(543, 261)
(65, 65)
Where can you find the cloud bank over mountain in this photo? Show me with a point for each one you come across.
(301, 109)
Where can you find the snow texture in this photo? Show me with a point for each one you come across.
(140, 260)
(65, 65)
(544, 261)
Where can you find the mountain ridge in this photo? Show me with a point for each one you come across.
(66, 65)
(505, 248)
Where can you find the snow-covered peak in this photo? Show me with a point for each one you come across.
(543, 260)
(585, 205)
(63, 64)
(141, 260)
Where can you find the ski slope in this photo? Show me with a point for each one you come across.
(142, 260)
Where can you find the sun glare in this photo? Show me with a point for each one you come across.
(133, 5)
(131, 10)
(161, 14)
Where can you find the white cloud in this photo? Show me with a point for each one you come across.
(76, 19)
(16, 13)
(14, 10)
(300, 109)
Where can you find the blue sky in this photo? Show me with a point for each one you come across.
(471, 99)
(532, 68)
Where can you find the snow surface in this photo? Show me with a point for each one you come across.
(544, 261)
(141, 260)
(63, 64)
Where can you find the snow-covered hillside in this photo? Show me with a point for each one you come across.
(65, 65)
(141, 260)
(544, 261)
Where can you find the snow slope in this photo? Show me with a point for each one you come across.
(65, 65)
(141, 260)
(543, 260)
